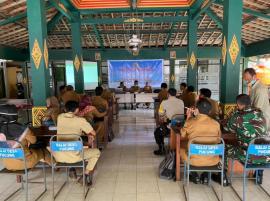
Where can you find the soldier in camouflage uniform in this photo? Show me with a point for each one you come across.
(247, 123)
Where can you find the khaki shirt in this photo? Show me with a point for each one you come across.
(202, 126)
(70, 96)
(163, 95)
(68, 123)
(107, 95)
(260, 99)
(189, 99)
(171, 107)
(147, 89)
(100, 103)
(134, 89)
(215, 111)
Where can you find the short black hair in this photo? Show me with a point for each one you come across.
(243, 99)
(71, 106)
(183, 84)
(172, 91)
(164, 85)
(69, 88)
(206, 92)
(136, 81)
(204, 106)
(62, 87)
(98, 91)
(251, 71)
(190, 88)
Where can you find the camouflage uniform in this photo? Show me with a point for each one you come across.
(247, 125)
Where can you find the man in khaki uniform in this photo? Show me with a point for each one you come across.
(189, 97)
(215, 111)
(135, 88)
(32, 156)
(69, 123)
(102, 106)
(70, 95)
(258, 93)
(100, 103)
(199, 124)
(163, 94)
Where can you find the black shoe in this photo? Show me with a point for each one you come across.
(88, 180)
(159, 152)
(217, 178)
(260, 176)
(204, 178)
(194, 177)
(72, 173)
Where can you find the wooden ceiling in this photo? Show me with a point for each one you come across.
(153, 34)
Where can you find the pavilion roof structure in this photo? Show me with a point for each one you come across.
(111, 27)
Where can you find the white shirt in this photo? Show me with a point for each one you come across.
(171, 107)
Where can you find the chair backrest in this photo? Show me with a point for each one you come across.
(12, 149)
(258, 147)
(66, 145)
(7, 150)
(206, 149)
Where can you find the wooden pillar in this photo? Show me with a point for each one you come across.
(37, 29)
(231, 51)
(192, 51)
(77, 53)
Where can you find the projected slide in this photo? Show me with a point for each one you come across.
(129, 70)
(90, 74)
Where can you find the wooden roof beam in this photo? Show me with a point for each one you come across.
(62, 9)
(54, 21)
(201, 10)
(257, 14)
(15, 18)
(145, 20)
(215, 18)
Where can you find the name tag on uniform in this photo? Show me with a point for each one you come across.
(66, 146)
(11, 153)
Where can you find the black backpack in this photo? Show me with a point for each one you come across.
(167, 166)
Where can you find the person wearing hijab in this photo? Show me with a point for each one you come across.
(52, 112)
(93, 116)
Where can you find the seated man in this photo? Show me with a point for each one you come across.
(183, 88)
(189, 97)
(32, 156)
(135, 88)
(103, 107)
(70, 123)
(147, 88)
(100, 103)
(215, 111)
(107, 94)
(167, 109)
(70, 95)
(122, 86)
(163, 94)
(247, 123)
(199, 124)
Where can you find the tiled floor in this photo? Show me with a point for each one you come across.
(128, 171)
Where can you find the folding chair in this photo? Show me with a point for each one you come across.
(258, 147)
(195, 148)
(67, 146)
(6, 152)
